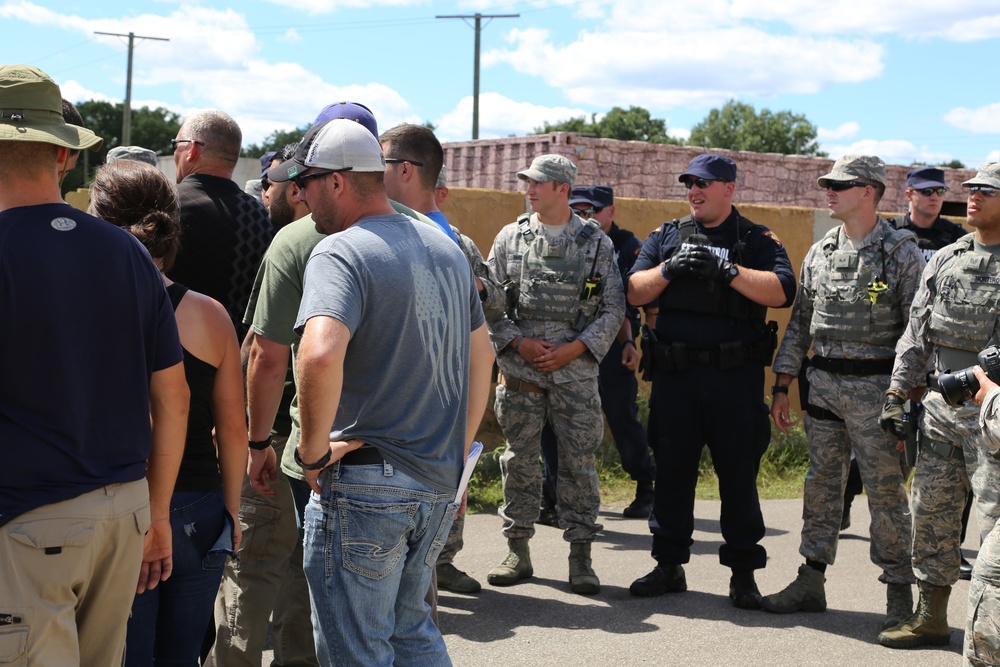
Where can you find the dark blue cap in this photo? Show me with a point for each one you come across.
(602, 196)
(582, 194)
(359, 113)
(265, 162)
(712, 167)
(925, 177)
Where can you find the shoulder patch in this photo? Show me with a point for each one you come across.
(774, 237)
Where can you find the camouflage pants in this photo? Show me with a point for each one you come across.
(455, 540)
(941, 485)
(574, 411)
(982, 628)
(858, 400)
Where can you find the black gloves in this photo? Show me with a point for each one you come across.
(698, 262)
(891, 419)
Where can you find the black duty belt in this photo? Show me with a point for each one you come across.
(676, 357)
(363, 456)
(822, 414)
(941, 449)
(853, 366)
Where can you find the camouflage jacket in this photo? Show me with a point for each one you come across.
(901, 274)
(504, 263)
(989, 421)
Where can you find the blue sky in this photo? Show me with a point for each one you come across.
(909, 80)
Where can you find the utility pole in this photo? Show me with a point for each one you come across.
(475, 76)
(127, 109)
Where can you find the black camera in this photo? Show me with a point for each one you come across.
(962, 385)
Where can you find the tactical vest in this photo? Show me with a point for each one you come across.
(851, 299)
(965, 311)
(553, 275)
(710, 297)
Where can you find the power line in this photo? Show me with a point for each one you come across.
(127, 108)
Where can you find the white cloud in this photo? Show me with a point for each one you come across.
(984, 120)
(679, 133)
(74, 92)
(292, 36)
(329, 6)
(994, 156)
(656, 69)
(847, 130)
(499, 116)
(892, 151)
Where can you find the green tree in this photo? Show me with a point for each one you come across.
(633, 124)
(275, 141)
(953, 164)
(738, 126)
(151, 128)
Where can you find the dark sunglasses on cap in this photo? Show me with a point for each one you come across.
(300, 181)
(927, 192)
(702, 183)
(840, 186)
(984, 190)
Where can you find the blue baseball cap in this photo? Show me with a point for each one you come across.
(265, 162)
(581, 194)
(602, 196)
(710, 166)
(359, 113)
(925, 177)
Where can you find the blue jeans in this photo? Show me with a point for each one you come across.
(169, 622)
(371, 542)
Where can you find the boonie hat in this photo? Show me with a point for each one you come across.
(581, 194)
(359, 113)
(925, 177)
(338, 144)
(853, 167)
(602, 196)
(710, 166)
(988, 174)
(137, 153)
(31, 110)
(550, 167)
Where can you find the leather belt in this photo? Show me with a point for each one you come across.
(363, 456)
(853, 366)
(520, 385)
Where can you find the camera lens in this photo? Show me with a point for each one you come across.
(957, 388)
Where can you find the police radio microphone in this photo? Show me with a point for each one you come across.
(698, 239)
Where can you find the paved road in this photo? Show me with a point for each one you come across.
(540, 623)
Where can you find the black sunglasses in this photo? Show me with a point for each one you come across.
(702, 183)
(927, 192)
(584, 212)
(840, 186)
(984, 190)
(174, 142)
(300, 181)
(400, 160)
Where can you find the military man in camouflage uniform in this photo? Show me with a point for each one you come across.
(954, 316)
(982, 627)
(855, 291)
(565, 305)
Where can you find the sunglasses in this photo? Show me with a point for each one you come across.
(174, 142)
(585, 212)
(702, 183)
(927, 192)
(840, 186)
(984, 190)
(300, 181)
(400, 160)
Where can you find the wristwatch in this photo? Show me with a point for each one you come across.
(317, 465)
(779, 389)
(731, 272)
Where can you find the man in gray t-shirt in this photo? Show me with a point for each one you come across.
(391, 388)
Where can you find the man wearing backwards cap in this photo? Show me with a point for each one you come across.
(93, 402)
(714, 274)
(925, 191)
(391, 389)
(564, 307)
(857, 286)
(954, 316)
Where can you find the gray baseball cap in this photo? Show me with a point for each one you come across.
(853, 167)
(988, 174)
(550, 168)
(137, 153)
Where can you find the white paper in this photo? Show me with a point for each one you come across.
(470, 464)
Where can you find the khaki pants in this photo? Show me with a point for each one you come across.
(68, 573)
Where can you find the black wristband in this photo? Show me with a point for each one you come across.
(260, 444)
(629, 342)
(779, 389)
(317, 465)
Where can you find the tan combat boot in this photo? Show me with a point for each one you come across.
(582, 579)
(927, 626)
(515, 566)
(898, 604)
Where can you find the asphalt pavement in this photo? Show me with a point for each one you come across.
(540, 622)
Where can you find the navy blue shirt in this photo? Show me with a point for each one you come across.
(84, 322)
(627, 248)
(762, 251)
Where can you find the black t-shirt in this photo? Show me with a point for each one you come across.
(943, 232)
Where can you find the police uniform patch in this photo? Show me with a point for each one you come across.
(774, 237)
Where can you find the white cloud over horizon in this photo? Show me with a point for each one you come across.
(892, 151)
(499, 116)
(982, 120)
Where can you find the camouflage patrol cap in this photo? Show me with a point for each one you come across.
(137, 153)
(853, 167)
(988, 174)
(550, 167)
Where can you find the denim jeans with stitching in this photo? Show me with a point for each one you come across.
(371, 540)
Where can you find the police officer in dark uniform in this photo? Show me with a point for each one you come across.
(617, 381)
(715, 273)
(925, 189)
